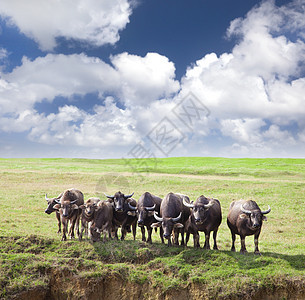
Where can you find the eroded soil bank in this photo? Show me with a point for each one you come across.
(65, 286)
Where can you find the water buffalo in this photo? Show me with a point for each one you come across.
(206, 217)
(124, 213)
(172, 210)
(102, 221)
(146, 206)
(245, 218)
(51, 203)
(68, 206)
(87, 216)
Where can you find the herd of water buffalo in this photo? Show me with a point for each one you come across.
(174, 215)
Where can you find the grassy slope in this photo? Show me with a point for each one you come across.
(29, 245)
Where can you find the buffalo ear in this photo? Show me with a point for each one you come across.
(57, 206)
(265, 218)
(132, 213)
(74, 206)
(242, 216)
(82, 206)
(155, 225)
(178, 225)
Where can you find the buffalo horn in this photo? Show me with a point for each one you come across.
(266, 211)
(211, 203)
(73, 202)
(111, 197)
(128, 196)
(132, 207)
(177, 218)
(46, 197)
(157, 218)
(150, 208)
(57, 201)
(187, 204)
(247, 212)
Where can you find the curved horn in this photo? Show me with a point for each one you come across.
(111, 197)
(177, 218)
(266, 211)
(211, 203)
(57, 201)
(247, 212)
(73, 202)
(157, 218)
(150, 208)
(132, 207)
(46, 197)
(128, 196)
(187, 204)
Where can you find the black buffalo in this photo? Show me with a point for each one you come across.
(173, 217)
(146, 206)
(206, 216)
(124, 213)
(245, 218)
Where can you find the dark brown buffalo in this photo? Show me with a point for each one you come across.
(173, 217)
(87, 216)
(146, 206)
(124, 213)
(102, 221)
(68, 207)
(51, 203)
(206, 217)
(245, 218)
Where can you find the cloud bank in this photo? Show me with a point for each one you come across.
(255, 93)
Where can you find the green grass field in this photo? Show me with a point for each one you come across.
(30, 246)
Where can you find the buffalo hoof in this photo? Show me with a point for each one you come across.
(257, 253)
(243, 252)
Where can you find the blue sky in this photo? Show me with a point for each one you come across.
(113, 79)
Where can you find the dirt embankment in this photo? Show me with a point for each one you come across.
(64, 285)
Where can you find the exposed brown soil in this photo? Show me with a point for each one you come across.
(64, 285)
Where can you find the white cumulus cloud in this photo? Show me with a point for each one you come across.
(97, 22)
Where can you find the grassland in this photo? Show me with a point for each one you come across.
(30, 247)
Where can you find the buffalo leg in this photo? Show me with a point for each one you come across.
(176, 237)
(143, 233)
(182, 236)
(134, 230)
(123, 233)
(59, 222)
(256, 251)
(187, 237)
(149, 232)
(83, 226)
(207, 241)
(243, 249)
(72, 228)
(214, 237)
(233, 241)
(196, 240)
(161, 235)
(64, 229)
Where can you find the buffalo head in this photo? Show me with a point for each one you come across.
(119, 200)
(256, 216)
(168, 224)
